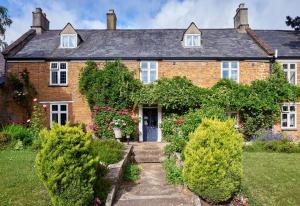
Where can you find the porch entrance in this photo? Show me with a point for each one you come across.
(150, 124)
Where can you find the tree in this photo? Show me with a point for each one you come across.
(293, 22)
(5, 22)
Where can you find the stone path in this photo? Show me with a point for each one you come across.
(152, 188)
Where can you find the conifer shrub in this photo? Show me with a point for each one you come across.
(66, 165)
(213, 155)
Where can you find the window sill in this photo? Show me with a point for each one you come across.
(289, 129)
(50, 85)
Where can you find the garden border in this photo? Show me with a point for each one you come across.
(115, 174)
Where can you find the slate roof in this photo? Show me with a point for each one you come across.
(143, 44)
(287, 42)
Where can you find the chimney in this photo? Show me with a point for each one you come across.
(111, 20)
(39, 21)
(241, 18)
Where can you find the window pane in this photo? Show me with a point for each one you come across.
(285, 108)
(196, 41)
(63, 107)
(153, 65)
(72, 41)
(54, 66)
(284, 66)
(63, 65)
(54, 107)
(292, 120)
(292, 77)
(144, 76)
(234, 75)
(225, 65)
(292, 66)
(144, 65)
(54, 77)
(152, 76)
(284, 120)
(63, 119)
(65, 41)
(225, 74)
(55, 117)
(292, 108)
(189, 40)
(63, 77)
(234, 65)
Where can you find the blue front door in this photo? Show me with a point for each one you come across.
(150, 124)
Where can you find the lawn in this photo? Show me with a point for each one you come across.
(19, 184)
(272, 178)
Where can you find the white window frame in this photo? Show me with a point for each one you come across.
(59, 112)
(68, 36)
(230, 70)
(186, 43)
(288, 116)
(288, 71)
(58, 74)
(148, 71)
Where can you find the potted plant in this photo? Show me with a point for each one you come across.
(117, 128)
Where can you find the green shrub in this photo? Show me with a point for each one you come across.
(131, 172)
(108, 151)
(66, 166)
(37, 123)
(4, 139)
(173, 172)
(213, 156)
(18, 132)
(276, 145)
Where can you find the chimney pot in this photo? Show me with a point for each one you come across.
(39, 21)
(111, 20)
(241, 18)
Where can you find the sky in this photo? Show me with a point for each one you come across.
(143, 14)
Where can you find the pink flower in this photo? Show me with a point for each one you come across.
(35, 99)
(28, 120)
(44, 106)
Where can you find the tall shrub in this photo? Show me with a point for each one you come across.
(213, 155)
(66, 166)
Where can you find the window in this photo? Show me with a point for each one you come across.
(148, 72)
(59, 113)
(58, 73)
(68, 40)
(288, 116)
(230, 70)
(290, 72)
(192, 40)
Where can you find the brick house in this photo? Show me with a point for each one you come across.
(54, 59)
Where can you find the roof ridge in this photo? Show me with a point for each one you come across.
(260, 42)
(144, 29)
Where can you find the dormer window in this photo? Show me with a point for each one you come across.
(192, 40)
(68, 41)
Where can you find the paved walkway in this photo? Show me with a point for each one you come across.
(152, 190)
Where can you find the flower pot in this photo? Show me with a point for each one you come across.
(118, 133)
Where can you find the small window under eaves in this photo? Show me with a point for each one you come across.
(192, 37)
(69, 38)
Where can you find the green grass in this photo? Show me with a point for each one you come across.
(272, 179)
(132, 172)
(19, 184)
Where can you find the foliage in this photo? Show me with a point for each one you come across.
(174, 95)
(131, 172)
(281, 144)
(22, 90)
(173, 172)
(293, 22)
(66, 166)
(4, 139)
(5, 22)
(108, 151)
(111, 86)
(104, 116)
(16, 133)
(37, 123)
(213, 155)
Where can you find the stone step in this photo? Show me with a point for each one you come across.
(148, 158)
(154, 201)
(145, 153)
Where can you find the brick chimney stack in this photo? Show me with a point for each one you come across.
(39, 21)
(111, 20)
(241, 18)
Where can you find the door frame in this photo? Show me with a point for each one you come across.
(159, 118)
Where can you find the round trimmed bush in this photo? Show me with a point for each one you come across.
(213, 155)
(66, 165)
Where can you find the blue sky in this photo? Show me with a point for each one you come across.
(263, 14)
